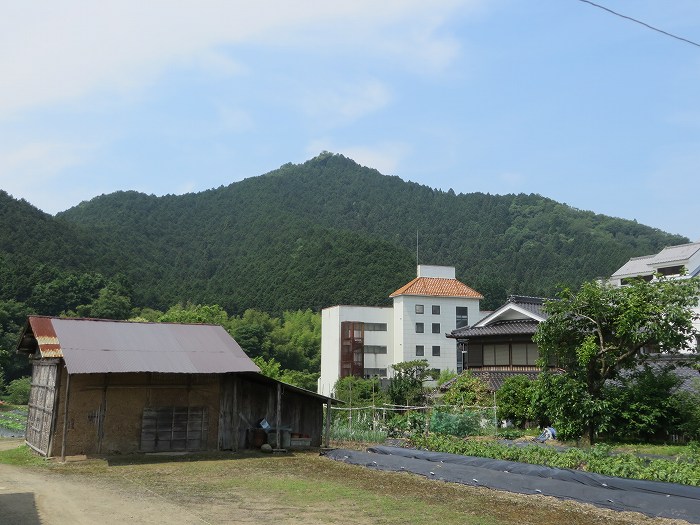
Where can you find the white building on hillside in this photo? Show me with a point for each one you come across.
(365, 341)
(672, 261)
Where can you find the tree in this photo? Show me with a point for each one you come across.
(200, 313)
(514, 400)
(468, 391)
(406, 387)
(599, 330)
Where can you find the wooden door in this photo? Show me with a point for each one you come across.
(166, 429)
(42, 404)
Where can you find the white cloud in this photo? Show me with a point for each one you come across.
(385, 157)
(512, 180)
(36, 163)
(31, 171)
(234, 119)
(55, 52)
(346, 103)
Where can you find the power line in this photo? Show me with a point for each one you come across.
(640, 22)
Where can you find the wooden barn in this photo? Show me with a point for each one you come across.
(117, 387)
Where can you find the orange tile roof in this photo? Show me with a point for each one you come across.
(437, 287)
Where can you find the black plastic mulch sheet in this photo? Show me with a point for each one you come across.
(653, 498)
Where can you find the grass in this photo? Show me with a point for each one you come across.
(307, 488)
(21, 456)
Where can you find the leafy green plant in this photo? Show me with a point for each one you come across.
(467, 423)
(18, 391)
(598, 459)
(514, 400)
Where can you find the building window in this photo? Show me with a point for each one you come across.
(629, 280)
(419, 308)
(436, 328)
(462, 317)
(375, 349)
(374, 372)
(671, 270)
(419, 328)
(436, 351)
(497, 354)
(375, 327)
(436, 309)
(420, 350)
(524, 354)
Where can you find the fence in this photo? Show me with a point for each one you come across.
(377, 423)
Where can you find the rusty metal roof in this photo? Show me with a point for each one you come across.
(98, 346)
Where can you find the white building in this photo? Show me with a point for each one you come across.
(365, 340)
(672, 261)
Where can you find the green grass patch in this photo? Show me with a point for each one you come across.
(22, 456)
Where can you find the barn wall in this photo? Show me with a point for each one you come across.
(256, 400)
(105, 410)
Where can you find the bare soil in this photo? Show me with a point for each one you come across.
(294, 489)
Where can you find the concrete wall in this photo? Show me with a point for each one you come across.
(331, 319)
(406, 339)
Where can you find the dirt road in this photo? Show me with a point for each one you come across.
(295, 489)
(41, 497)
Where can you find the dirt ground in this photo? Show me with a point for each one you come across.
(206, 492)
(41, 497)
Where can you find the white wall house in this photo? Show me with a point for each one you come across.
(671, 262)
(365, 341)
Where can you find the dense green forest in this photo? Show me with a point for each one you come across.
(302, 237)
(330, 231)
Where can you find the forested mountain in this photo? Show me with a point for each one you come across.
(330, 231)
(299, 238)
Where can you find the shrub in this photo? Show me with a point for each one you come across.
(514, 400)
(18, 391)
(468, 391)
(455, 424)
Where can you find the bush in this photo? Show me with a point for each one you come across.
(468, 391)
(18, 391)
(467, 423)
(641, 405)
(514, 400)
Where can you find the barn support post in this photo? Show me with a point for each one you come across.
(327, 440)
(236, 420)
(65, 419)
(102, 413)
(278, 422)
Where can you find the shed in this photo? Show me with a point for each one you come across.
(106, 387)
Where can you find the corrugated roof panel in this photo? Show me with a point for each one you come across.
(438, 287)
(97, 346)
(45, 335)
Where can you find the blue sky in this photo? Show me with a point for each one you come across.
(554, 97)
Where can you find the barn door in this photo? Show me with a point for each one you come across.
(42, 404)
(166, 429)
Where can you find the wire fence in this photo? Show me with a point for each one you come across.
(379, 422)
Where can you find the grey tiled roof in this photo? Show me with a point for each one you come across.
(647, 264)
(494, 379)
(516, 327)
(531, 304)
